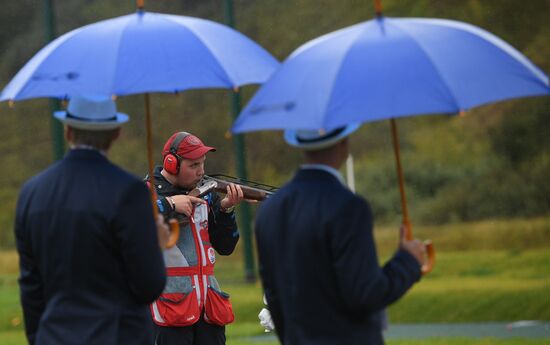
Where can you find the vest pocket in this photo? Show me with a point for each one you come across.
(178, 309)
(218, 309)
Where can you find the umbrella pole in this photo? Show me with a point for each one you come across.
(174, 225)
(404, 209)
(150, 151)
(378, 7)
(430, 251)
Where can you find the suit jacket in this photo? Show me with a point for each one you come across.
(89, 255)
(319, 266)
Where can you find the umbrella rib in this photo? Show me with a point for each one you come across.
(498, 42)
(28, 70)
(117, 56)
(210, 48)
(435, 66)
(341, 63)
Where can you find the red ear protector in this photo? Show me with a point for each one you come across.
(172, 160)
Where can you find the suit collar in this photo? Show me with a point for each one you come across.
(313, 173)
(326, 168)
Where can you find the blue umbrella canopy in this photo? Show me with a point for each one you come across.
(142, 52)
(389, 68)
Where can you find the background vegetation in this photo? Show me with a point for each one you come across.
(494, 162)
(477, 184)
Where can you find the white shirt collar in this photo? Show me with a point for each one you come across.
(326, 168)
(87, 147)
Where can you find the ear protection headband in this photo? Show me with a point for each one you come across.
(172, 159)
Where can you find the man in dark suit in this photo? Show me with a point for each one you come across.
(318, 261)
(89, 249)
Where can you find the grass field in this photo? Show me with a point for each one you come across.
(476, 279)
(435, 341)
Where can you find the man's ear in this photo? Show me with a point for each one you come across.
(68, 133)
(117, 133)
(344, 149)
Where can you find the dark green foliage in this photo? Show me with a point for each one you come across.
(515, 140)
(494, 162)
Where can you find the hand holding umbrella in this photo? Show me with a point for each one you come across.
(413, 246)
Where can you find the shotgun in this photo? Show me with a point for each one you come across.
(219, 182)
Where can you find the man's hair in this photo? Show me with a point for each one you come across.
(100, 140)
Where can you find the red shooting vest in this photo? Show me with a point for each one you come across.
(191, 289)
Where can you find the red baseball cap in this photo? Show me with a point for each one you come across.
(189, 146)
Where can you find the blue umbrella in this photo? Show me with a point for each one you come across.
(388, 68)
(142, 52)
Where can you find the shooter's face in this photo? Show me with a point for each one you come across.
(191, 172)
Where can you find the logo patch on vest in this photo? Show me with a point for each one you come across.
(211, 255)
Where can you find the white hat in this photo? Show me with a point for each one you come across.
(91, 112)
(318, 139)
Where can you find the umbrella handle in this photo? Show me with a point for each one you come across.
(430, 250)
(430, 253)
(174, 233)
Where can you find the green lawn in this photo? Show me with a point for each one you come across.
(488, 282)
(470, 341)
(428, 341)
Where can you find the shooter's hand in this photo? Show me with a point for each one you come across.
(184, 203)
(233, 197)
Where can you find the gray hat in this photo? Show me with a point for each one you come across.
(91, 112)
(318, 139)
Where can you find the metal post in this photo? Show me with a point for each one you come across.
(240, 161)
(56, 128)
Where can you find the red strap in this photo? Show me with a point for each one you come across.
(188, 271)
